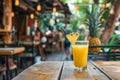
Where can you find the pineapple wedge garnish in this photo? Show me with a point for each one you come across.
(72, 37)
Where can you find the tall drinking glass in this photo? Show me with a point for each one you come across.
(80, 54)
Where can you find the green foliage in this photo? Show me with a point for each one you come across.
(78, 17)
(64, 1)
(74, 25)
(94, 20)
(83, 1)
(77, 1)
(106, 14)
(102, 1)
(82, 36)
(115, 39)
(59, 25)
(44, 20)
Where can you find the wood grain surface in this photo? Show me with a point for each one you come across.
(111, 68)
(46, 70)
(70, 72)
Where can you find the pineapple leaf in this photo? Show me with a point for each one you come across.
(94, 19)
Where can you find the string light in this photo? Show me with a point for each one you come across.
(56, 14)
(57, 20)
(54, 9)
(31, 15)
(38, 7)
(12, 14)
(36, 22)
(17, 2)
(108, 5)
(105, 5)
(51, 21)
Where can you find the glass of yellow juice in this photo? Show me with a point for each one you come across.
(80, 54)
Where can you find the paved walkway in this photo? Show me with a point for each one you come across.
(58, 56)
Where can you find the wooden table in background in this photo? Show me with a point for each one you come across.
(65, 70)
(9, 52)
(33, 44)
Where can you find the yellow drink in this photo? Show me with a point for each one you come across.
(80, 54)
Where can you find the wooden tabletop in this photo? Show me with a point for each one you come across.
(11, 51)
(110, 68)
(49, 70)
(59, 70)
(70, 72)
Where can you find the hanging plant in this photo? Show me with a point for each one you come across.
(44, 21)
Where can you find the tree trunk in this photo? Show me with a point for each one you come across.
(110, 26)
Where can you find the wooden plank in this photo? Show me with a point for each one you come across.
(46, 70)
(111, 68)
(71, 73)
(30, 43)
(4, 43)
(24, 37)
(28, 6)
(5, 31)
(11, 51)
(28, 40)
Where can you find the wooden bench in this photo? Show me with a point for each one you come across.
(59, 70)
(31, 50)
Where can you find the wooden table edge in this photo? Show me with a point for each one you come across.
(108, 76)
(13, 52)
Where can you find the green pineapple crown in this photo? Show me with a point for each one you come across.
(94, 20)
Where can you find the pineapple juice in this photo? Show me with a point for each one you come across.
(80, 54)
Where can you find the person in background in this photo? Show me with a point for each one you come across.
(43, 42)
(61, 40)
(38, 34)
(67, 44)
(41, 37)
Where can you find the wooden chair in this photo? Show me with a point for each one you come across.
(31, 47)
